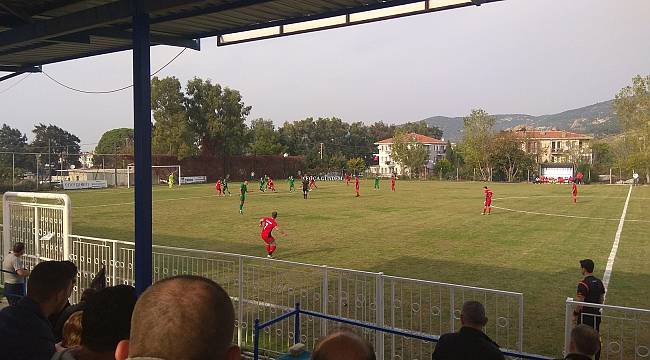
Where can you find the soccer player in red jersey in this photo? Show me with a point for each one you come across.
(392, 182)
(268, 224)
(271, 185)
(488, 200)
(347, 179)
(217, 187)
(574, 192)
(356, 184)
(312, 183)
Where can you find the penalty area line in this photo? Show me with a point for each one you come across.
(617, 239)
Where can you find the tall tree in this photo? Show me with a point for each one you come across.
(172, 133)
(408, 152)
(217, 116)
(477, 142)
(632, 106)
(265, 140)
(115, 141)
(15, 141)
(61, 147)
(508, 156)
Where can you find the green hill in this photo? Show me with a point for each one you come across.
(597, 119)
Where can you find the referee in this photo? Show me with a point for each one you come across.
(590, 290)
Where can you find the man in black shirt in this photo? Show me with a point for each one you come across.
(305, 187)
(470, 343)
(590, 290)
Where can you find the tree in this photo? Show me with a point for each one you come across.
(115, 141)
(217, 115)
(15, 141)
(356, 165)
(407, 152)
(422, 128)
(172, 134)
(444, 167)
(632, 105)
(62, 147)
(265, 140)
(508, 156)
(477, 142)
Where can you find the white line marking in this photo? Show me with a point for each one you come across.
(617, 239)
(565, 216)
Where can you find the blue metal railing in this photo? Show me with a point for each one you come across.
(296, 328)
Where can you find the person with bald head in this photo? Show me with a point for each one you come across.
(182, 317)
(343, 344)
(470, 343)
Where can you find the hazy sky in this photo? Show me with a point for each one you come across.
(516, 56)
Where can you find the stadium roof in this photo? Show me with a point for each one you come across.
(38, 32)
(417, 137)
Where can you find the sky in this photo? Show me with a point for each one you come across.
(516, 56)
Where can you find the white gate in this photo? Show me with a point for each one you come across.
(41, 221)
(624, 332)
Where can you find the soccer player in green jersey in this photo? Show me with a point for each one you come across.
(225, 185)
(292, 185)
(262, 184)
(376, 182)
(170, 181)
(243, 189)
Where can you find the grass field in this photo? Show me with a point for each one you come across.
(427, 230)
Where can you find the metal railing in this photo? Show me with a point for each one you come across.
(395, 332)
(624, 331)
(263, 288)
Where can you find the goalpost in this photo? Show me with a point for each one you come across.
(159, 174)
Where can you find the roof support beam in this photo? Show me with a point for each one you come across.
(9, 68)
(19, 14)
(158, 39)
(115, 12)
(17, 70)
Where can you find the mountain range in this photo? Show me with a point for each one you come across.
(598, 119)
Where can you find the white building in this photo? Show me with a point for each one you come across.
(86, 160)
(435, 148)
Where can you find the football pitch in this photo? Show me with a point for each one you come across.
(531, 243)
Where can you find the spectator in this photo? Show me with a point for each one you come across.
(15, 274)
(72, 331)
(25, 332)
(182, 317)
(584, 344)
(68, 311)
(470, 342)
(343, 344)
(106, 321)
(54, 318)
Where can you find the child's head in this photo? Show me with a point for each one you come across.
(72, 330)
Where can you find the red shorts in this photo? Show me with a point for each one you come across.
(267, 238)
(488, 202)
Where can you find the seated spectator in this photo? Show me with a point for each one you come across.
(25, 332)
(14, 274)
(54, 318)
(106, 321)
(68, 311)
(584, 344)
(470, 342)
(72, 331)
(182, 317)
(343, 344)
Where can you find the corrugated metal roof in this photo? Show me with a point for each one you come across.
(39, 32)
(423, 139)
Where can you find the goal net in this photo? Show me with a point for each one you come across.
(160, 175)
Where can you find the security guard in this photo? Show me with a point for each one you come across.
(590, 290)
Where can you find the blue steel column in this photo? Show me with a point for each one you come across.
(142, 135)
